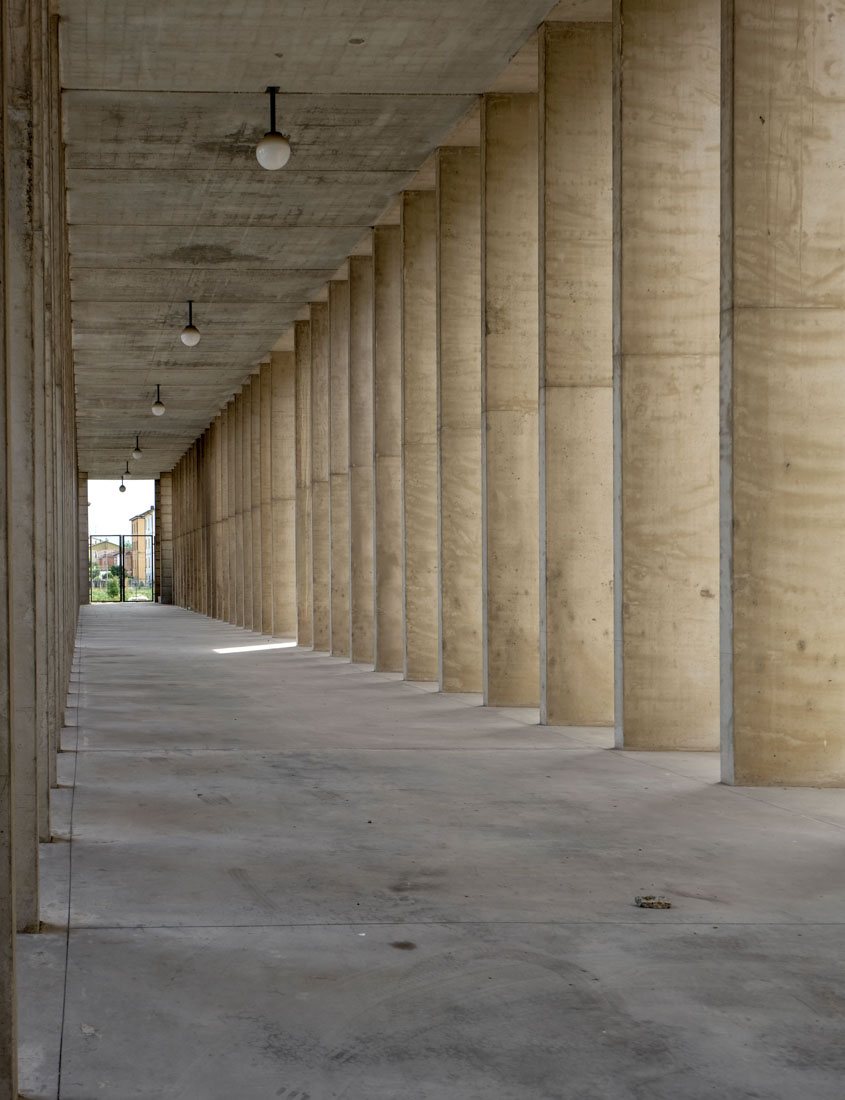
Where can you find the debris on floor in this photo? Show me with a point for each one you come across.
(652, 901)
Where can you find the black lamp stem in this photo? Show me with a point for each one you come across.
(271, 91)
(190, 312)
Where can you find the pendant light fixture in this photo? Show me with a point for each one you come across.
(137, 452)
(126, 472)
(190, 333)
(158, 404)
(273, 151)
(121, 488)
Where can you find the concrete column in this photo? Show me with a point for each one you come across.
(304, 604)
(239, 510)
(204, 446)
(361, 393)
(18, 317)
(232, 488)
(223, 468)
(10, 132)
(84, 569)
(509, 328)
(176, 532)
(783, 396)
(576, 375)
(283, 476)
(217, 498)
(255, 444)
(247, 489)
(157, 541)
(667, 89)
(339, 464)
(387, 368)
(320, 560)
(459, 417)
(419, 433)
(268, 563)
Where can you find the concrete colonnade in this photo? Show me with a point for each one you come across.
(43, 530)
(503, 420)
(227, 512)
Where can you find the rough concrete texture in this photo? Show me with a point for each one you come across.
(292, 877)
(387, 438)
(162, 108)
(339, 464)
(576, 376)
(304, 609)
(283, 494)
(419, 434)
(459, 417)
(510, 323)
(320, 531)
(361, 459)
(667, 241)
(783, 618)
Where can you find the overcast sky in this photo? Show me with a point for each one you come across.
(110, 511)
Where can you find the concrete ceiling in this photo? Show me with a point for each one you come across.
(163, 105)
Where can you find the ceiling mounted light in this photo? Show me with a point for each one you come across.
(190, 333)
(137, 452)
(121, 488)
(273, 151)
(158, 405)
(126, 472)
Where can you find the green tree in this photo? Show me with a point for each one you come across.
(113, 588)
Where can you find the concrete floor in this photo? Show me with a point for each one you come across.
(292, 877)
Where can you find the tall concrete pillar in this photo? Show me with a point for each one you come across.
(510, 321)
(419, 433)
(232, 490)
(18, 317)
(304, 578)
(283, 476)
(387, 368)
(84, 568)
(783, 331)
(223, 596)
(339, 464)
(268, 563)
(576, 375)
(459, 417)
(361, 394)
(255, 474)
(164, 537)
(320, 559)
(246, 489)
(9, 129)
(240, 506)
(666, 348)
(217, 499)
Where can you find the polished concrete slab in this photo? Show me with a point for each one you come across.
(290, 876)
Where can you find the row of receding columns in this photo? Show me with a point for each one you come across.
(43, 497)
(528, 435)
(227, 511)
